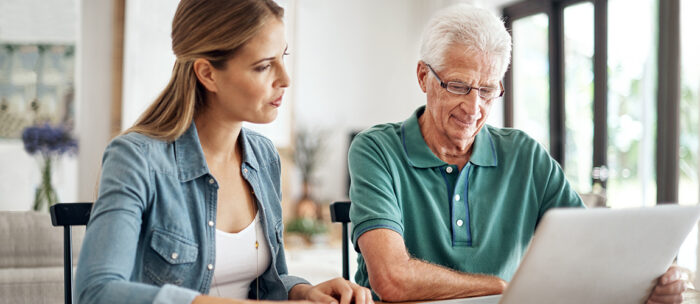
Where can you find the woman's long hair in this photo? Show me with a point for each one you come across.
(210, 29)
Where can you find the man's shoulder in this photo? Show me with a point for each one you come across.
(380, 133)
(510, 138)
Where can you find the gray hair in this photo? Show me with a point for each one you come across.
(478, 29)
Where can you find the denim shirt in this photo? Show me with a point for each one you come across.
(151, 233)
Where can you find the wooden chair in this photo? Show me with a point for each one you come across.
(340, 213)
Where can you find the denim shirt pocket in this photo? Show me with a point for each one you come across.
(170, 258)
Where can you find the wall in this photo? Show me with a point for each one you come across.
(353, 66)
(88, 24)
(34, 21)
(94, 91)
(356, 67)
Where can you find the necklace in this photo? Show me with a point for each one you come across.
(257, 263)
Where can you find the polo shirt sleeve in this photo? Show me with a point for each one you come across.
(557, 192)
(374, 202)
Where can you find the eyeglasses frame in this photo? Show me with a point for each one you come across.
(444, 85)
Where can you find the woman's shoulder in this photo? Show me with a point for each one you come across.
(135, 140)
(139, 145)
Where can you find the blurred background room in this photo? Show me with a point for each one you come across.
(610, 87)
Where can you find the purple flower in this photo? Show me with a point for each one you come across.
(48, 140)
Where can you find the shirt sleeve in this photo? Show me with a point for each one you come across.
(288, 281)
(557, 192)
(374, 202)
(108, 252)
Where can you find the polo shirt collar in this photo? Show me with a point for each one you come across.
(419, 154)
(190, 157)
(483, 150)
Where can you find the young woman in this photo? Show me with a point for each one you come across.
(189, 201)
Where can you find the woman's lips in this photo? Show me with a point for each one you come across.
(277, 102)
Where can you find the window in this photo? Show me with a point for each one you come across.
(531, 76)
(690, 103)
(578, 58)
(631, 102)
(689, 187)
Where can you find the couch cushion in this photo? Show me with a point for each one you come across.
(29, 240)
(31, 285)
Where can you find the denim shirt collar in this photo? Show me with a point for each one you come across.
(190, 159)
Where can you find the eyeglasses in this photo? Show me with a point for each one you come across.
(461, 88)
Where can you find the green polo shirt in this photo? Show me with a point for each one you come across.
(478, 220)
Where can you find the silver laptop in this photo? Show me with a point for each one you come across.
(596, 256)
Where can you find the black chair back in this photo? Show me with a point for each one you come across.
(67, 215)
(340, 213)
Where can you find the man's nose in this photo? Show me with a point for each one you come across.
(470, 102)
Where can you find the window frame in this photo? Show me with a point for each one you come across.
(668, 87)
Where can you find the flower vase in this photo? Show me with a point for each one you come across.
(45, 192)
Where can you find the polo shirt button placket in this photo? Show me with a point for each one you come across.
(448, 169)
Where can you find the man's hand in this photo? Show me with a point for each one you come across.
(335, 291)
(670, 287)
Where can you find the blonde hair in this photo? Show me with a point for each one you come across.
(210, 29)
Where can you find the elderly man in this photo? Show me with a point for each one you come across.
(444, 206)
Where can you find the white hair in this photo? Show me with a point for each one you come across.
(477, 29)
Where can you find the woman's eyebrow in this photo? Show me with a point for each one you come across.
(270, 58)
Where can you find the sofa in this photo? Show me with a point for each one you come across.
(31, 257)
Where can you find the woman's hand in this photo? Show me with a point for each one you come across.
(335, 291)
(205, 299)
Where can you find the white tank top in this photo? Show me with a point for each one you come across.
(236, 259)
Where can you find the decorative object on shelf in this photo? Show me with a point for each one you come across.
(308, 152)
(308, 149)
(49, 144)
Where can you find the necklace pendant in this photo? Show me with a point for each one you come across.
(256, 244)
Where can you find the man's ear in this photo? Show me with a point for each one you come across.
(422, 73)
(205, 73)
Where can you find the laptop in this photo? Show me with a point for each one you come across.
(596, 256)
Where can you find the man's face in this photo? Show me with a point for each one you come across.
(459, 117)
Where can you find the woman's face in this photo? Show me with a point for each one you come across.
(250, 86)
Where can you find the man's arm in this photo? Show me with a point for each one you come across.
(397, 277)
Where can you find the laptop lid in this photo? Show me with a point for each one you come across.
(599, 255)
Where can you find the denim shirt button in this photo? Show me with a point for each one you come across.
(210, 267)
(174, 255)
(211, 181)
(211, 223)
(245, 170)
